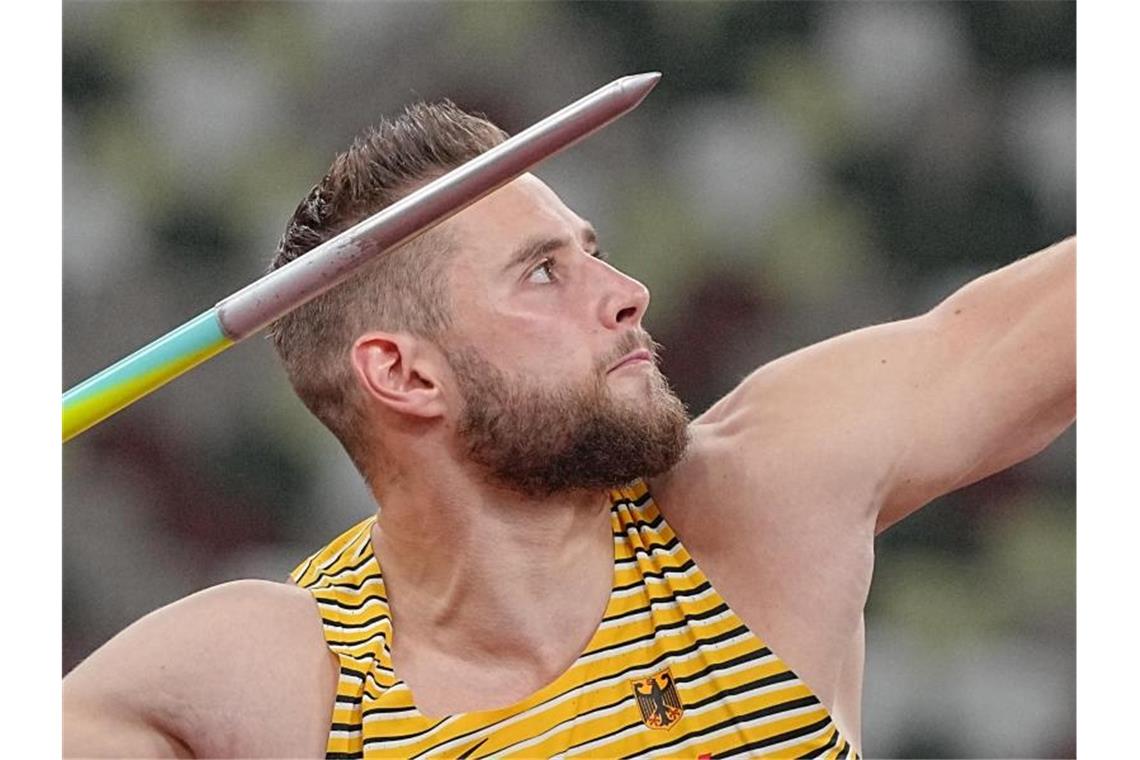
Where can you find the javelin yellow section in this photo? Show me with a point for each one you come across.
(91, 409)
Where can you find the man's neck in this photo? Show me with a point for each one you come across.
(477, 569)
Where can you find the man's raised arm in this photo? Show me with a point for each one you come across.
(911, 410)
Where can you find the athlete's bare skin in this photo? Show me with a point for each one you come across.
(809, 457)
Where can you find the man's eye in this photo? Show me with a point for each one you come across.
(601, 255)
(544, 272)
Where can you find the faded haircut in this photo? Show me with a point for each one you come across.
(404, 290)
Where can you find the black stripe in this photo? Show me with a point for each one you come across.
(382, 710)
(843, 750)
(354, 643)
(331, 574)
(344, 755)
(740, 659)
(646, 550)
(658, 628)
(658, 575)
(628, 586)
(350, 672)
(639, 525)
(344, 727)
(398, 737)
(768, 741)
(819, 752)
(348, 699)
(700, 588)
(305, 569)
(759, 683)
(471, 750)
(640, 502)
(344, 606)
(654, 525)
(683, 567)
(362, 624)
(668, 546)
(704, 615)
(377, 687)
(383, 668)
(375, 577)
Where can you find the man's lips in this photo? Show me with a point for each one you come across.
(633, 357)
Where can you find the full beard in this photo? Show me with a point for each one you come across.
(541, 441)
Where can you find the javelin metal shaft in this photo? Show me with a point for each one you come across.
(279, 292)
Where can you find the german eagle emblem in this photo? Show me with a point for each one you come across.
(658, 700)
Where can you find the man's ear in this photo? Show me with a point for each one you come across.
(396, 370)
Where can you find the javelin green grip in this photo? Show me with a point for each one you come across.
(151, 367)
(265, 300)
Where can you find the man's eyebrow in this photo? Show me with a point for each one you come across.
(535, 248)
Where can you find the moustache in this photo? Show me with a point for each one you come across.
(629, 342)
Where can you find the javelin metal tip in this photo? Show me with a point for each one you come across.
(635, 87)
(648, 80)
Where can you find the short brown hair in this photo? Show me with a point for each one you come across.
(402, 290)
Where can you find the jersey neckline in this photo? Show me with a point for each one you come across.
(558, 685)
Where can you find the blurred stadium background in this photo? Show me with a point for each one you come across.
(802, 170)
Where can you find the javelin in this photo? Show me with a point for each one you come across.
(276, 294)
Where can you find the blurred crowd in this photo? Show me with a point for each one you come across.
(802, 169)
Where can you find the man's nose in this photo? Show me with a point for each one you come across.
(625, 301)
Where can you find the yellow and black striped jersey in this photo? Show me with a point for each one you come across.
(670, 671)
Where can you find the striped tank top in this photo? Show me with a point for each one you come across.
(670, 671)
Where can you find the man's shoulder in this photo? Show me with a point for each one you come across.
(254, 596)
(234, 616)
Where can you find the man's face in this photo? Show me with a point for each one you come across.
(559, 383)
